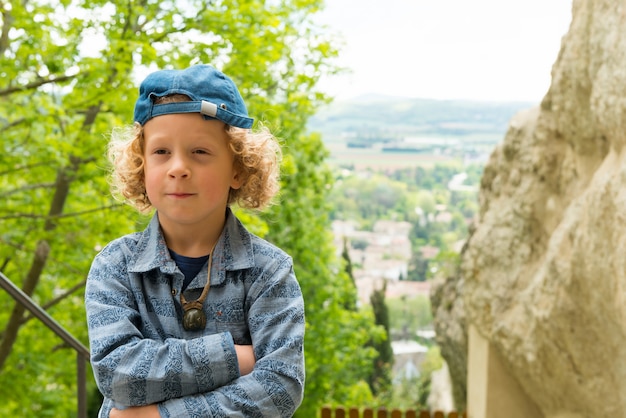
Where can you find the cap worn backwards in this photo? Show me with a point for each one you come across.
(212, 93)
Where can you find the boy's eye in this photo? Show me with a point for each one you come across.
(201, 151)
(160, 151)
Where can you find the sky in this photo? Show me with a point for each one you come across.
(486, 50)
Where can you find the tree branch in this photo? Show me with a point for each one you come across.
(7, 20)
(13, 124)
(64, 178)
(69, 292)
(25, 167)
(36, 84)
(50, 218)
(27, 187)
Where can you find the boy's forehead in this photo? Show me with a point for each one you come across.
(181, 127)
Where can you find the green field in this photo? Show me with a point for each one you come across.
(430, 131)
(362, 158)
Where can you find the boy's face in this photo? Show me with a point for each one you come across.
(188, 169)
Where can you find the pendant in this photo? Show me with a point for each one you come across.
(194, 319)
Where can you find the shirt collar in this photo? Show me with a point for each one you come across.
(233, 250)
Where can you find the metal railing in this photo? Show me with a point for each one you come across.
(82, 353)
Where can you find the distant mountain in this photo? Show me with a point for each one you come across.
(404, 117)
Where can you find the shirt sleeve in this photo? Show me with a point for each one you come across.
(133, 370)
(276, 385)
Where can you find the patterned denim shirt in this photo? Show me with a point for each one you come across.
(141, 354)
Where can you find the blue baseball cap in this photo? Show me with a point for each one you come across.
(212, 93)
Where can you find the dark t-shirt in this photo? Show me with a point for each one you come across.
(190, 266)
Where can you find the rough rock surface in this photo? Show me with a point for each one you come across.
(544, 273)
(451, 333)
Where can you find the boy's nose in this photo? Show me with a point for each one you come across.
(179, 168)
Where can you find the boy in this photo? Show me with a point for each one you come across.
(195, 316)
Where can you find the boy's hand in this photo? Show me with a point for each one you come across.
(246, 358)
(148, 411)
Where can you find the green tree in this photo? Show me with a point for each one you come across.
(337, 360)
(445, 264)
(418, 267)
(408, 315)
(345, 255)
(380, 379)
(368, 199)
(69, 75)
(414, 392)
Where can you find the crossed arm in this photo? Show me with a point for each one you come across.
(245, 357)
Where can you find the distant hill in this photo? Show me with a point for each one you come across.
(386, 116)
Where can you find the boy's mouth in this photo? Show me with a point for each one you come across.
(180, 195)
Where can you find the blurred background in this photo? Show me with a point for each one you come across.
(388, 113)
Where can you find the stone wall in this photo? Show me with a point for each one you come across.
(544, 272)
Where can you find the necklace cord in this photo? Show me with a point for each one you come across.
(197, 304)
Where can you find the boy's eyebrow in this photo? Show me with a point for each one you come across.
(193, 139)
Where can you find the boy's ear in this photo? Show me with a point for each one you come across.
(236, 181)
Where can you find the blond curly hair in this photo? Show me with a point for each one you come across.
(257, 160)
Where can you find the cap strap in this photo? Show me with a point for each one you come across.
(208, 108)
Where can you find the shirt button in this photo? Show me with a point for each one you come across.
(173, 292)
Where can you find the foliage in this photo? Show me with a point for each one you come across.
(345, 255)
(368, 198)
(435, 178)
(445, 264)
(418, 267)
(407, 315)
(439, 218)
(335, 357)
(417, 195)
(380, 379)
(69, 74)
(413, 393)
